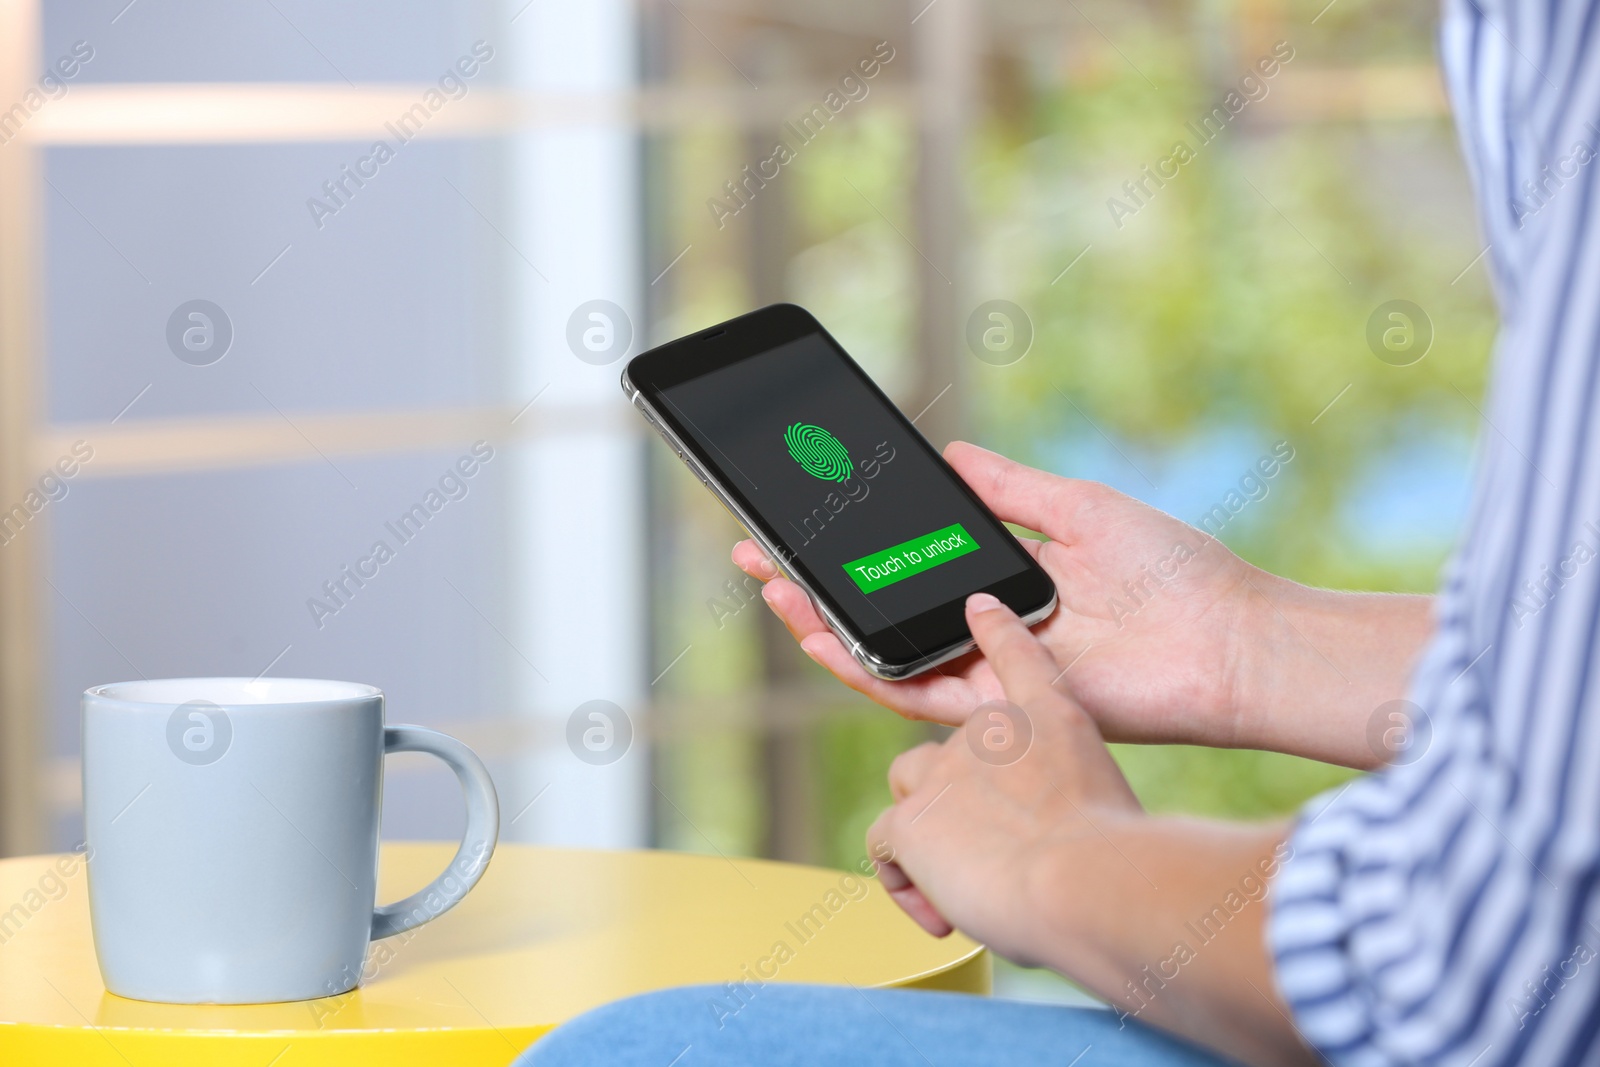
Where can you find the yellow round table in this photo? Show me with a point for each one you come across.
(547, 934)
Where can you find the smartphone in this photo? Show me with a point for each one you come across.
(837, 485)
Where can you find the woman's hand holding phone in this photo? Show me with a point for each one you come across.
(1138, 667)
(1163, 634)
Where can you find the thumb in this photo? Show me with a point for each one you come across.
(911, 899)
(1035, 499)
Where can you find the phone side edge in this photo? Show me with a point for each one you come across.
(711, 483)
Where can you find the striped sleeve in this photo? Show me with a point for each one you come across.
(1447, 909)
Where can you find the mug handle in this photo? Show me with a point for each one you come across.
(477, 845)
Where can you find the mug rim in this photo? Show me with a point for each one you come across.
(232, 691)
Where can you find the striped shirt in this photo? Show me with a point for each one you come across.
(1448, 910)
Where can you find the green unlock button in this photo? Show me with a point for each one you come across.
(901, 561)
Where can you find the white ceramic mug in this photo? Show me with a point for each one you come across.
(232, 832)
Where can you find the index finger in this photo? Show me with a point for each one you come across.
(1024, 666)
(754, 561)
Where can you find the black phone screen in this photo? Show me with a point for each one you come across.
(848, 490)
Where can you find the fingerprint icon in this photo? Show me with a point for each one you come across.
(818, 451)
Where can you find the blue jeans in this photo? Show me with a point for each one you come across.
(820, 1026)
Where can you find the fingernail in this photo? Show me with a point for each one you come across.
(766, 593)
(808, 651)
(981, 602)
